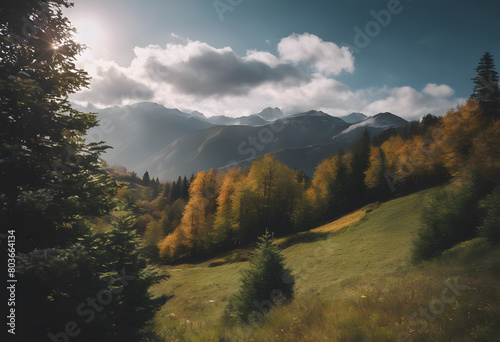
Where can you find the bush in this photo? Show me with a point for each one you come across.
(265, 284)
(490, 229)
(448, 218)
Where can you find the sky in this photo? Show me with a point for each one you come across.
(236, 57)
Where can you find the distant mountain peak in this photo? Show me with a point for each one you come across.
(197, 114)
(389, 118)
(354, 117)
(271, 114)
(311, 113)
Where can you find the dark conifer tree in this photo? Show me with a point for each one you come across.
(146, 180)
(486, 86)
(340, 194)
(52, 183)
(359, 164)
(185, 188)
(266, 283)
(167, 189)
(51, 179)
(176, 189)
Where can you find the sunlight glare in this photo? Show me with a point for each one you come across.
(90, 32)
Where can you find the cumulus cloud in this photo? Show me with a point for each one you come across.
(326, 57)
(221, 73)
(441, 90)
(111, 86)
(192, 75)
(409, 103)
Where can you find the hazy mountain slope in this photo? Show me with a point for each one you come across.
(220, 146)
(373, 124)
(266, 116)
(139, 131)
(308, 157)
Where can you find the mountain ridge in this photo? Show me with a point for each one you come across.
(168, 142)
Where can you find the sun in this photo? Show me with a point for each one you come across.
(90, 32)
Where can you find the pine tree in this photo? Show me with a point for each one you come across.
(51, 179)
(57, 285)
(264, 284)
(155, 187)
(167, 188)
(359, 164)
(146, 180)
(486, 86)
(185, 188)
(53, 183)
(176, 189)
(340, 190)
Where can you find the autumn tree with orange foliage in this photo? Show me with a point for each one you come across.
(459, 128)
(224, 225)
(265, 199)
(193, 235)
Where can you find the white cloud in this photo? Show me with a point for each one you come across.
(441, 90)
(409, 103)
(112, 85)
(326, 57)
(262, 56)
(192, 75)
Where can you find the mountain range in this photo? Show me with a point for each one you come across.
(168, 142)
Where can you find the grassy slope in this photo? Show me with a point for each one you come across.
(354, 282)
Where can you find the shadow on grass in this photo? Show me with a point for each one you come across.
(304, 237)
(238, 255)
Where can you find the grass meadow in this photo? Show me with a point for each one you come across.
(354, 282)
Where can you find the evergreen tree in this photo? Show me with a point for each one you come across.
(429, 120)
(185, 188)
(155, 187)
(134, 178)
(340, 194)
(53, 183)
(176, 189)
(167, 188)
(51, 179)
(146, 180)
(106, 268)
(264, 284)
(359, 164)
(486, 86)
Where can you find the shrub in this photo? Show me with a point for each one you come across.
(490, 228)
(265, 284)
(448, 218)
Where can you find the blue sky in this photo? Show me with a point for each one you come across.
(235, 57)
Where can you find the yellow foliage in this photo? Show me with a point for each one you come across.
(154, 233)
(324, 175)
(459, 128)
(392, 150)
(375, 172)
